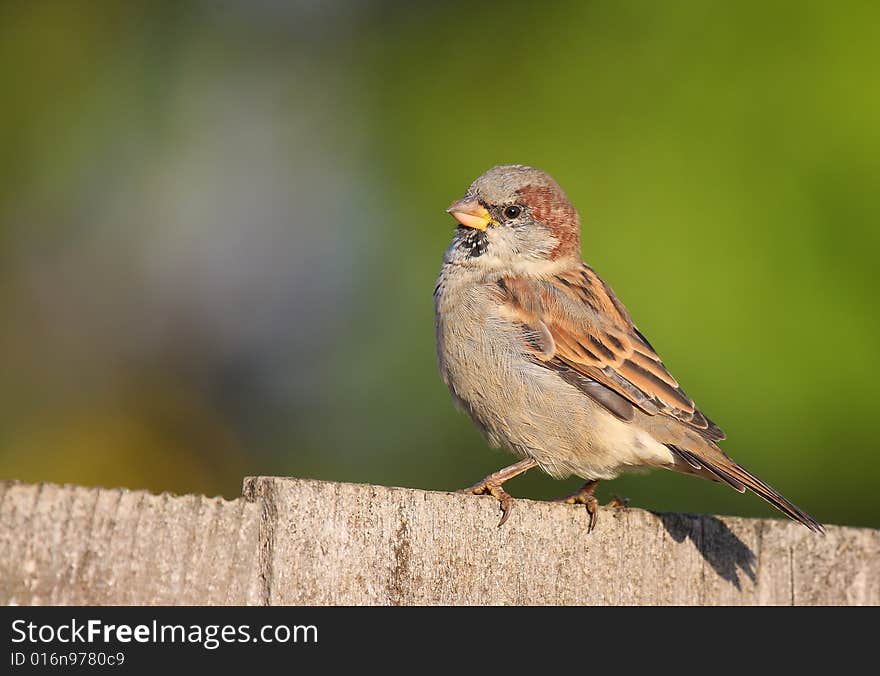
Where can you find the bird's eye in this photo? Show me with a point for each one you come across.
(512, 211)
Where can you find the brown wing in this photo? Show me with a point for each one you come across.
(592, 340)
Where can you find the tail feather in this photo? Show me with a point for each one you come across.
(721, 468)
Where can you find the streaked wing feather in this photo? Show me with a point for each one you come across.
(594, 340)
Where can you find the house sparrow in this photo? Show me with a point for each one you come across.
(547, 361)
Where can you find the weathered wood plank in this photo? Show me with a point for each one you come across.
(73, 545)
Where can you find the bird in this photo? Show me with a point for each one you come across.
(545, 359)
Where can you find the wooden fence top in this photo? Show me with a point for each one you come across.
(297, 541)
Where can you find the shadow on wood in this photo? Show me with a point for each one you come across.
(718, 545)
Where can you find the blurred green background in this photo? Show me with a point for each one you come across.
(220, 224)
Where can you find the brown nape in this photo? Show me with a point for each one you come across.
(550, 207)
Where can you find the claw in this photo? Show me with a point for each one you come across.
(492, 485)
(592, 505)
(506, 503)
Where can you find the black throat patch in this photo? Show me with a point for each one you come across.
(474, 242)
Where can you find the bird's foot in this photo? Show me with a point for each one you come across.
(491, 485)
(488, 487)
(617, 501)
(584, 496)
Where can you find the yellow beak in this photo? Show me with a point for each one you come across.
(471, 214)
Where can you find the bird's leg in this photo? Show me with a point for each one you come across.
(492, 485)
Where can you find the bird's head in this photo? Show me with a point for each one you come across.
(515, 216)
